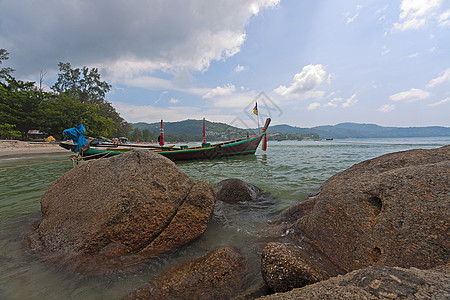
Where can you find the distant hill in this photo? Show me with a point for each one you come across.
(354, 130)
(214, 130)
(222, 131)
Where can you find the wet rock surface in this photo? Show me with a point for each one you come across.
(286, 266)
(109, 213)
(378, 282)
(215, 275)
(233, 190)
(392, 210)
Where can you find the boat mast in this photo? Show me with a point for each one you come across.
(161, 135)
(264, 145)
(204, 132)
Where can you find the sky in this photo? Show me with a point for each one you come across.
(305, 63)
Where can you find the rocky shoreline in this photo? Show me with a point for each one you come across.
(378, 230)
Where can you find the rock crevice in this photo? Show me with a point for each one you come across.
(119, 207)
(392, 210)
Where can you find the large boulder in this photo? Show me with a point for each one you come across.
(216, 275)
(109, 213)
(377, 282)
(392, 210)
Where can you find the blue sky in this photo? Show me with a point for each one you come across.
(315, 62)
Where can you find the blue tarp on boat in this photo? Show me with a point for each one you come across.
(76, 134)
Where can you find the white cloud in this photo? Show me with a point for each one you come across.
(161, 96)
(344, 103)
(385, 50)
(314, 94)
(439, 80)
(410, 96)
(444, 19)
(439, 102)
(240, 68)
(353, 18)
(313, 106)
(220, 91)
(235, 101)
(382, 10)
(413, 55)
(329, 78)
(149, 113)
(350, 101)
(415, 13)
(174, 101)
(125, 39)
(149, 82)
(387, 107)
(334, 102)
(308, 79)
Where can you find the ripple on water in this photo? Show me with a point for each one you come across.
(288, 171)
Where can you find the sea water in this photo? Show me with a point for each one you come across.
(289, 171)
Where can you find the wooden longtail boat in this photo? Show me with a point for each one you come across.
(244, 146)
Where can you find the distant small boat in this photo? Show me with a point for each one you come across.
(244, 146)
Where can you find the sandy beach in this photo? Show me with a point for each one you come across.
(13, 148)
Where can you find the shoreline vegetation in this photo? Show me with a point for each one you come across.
(77, 97)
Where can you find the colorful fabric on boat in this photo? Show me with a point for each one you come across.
(255, 109)
(76, 134)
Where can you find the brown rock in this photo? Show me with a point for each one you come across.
(234, 190)
(116, 208)
(392, 210)
(377, 282)
(215, 275)
(191, 220)
(285, 266)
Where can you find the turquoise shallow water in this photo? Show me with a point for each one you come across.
(289, 171)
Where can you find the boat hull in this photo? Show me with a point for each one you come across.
(215, 151)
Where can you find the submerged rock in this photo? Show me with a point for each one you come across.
(110, 213)
(234, 190)
(378, 282)
(215, 275)
(392, 210)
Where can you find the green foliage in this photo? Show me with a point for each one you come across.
(7, 131)
(4, 56)
(293, 136)
(20, 104)
(83, 84)
(86, 87)
(64, 111)
(78, 98)
(142, 135)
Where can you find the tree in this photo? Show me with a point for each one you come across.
(64, 111)
(78, 98)
(7, 131)
(20, 105)
(83, 84)
(4, 56)
(147, 135)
